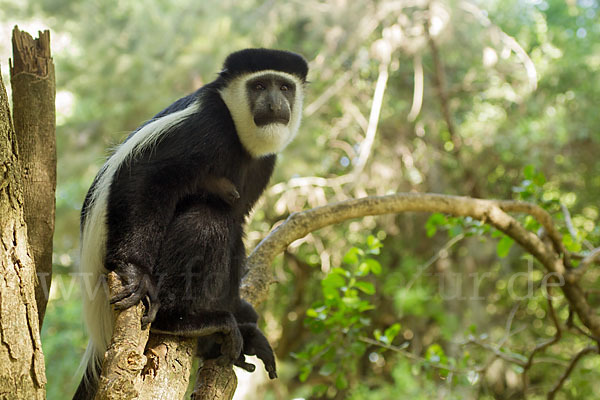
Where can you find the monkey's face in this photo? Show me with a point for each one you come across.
(271, 99)
(266, 108)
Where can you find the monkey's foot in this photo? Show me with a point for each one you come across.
(231, 345)
(136, 286)
(255, 343)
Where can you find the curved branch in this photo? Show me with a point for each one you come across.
(257, 281)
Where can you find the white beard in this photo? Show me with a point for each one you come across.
(263, 140)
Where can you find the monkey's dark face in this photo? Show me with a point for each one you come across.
(266, 107)
(271, 99)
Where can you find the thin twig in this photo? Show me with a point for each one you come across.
(439, 80)
(509, 322)
(367, 144)
(570, 368)
(507, 40)
(434, 258)
(413, 357)
(495, 349)
(568, 221)
(588, 260)
(542, 216)
(570, 227)
(544, 344)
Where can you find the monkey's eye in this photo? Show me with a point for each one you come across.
(284, 88)
(259, 86)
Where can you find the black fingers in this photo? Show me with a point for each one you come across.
(136, 286)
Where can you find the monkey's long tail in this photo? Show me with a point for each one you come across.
(89, 382)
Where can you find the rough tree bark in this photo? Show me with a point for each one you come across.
(22, 373)
(161, 371)
(33, 86)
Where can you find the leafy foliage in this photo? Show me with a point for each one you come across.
(340, 318)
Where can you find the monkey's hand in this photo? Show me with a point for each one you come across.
(255, 343)
(135, 287)
(223, 188)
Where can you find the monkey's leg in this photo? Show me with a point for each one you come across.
(221, 326)
(198, 285)
(254, 342)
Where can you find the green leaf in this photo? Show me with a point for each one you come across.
(320, 390)
(528, 172)
(365, 287)
(365, 306)
(392, 331)
(327, 369)
(435, 353)
(455, 231)
(373, 242)
(330, 293)
(351, 257)
(539, 179)
(340, 271)
(434, 221)
(305, 371)
(311, 313)
(341, 382)
(377, 334)
(570, 243)
(531, 224)
(369, 265)
(374, 266)
(363, 269)
(504, 246)
(496, 233)
(333, 281)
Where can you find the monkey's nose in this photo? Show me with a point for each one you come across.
(273, 106)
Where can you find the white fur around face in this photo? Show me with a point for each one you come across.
(269, 139)
(96, 308)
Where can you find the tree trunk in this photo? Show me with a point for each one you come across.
(22, 373)
(33, 86)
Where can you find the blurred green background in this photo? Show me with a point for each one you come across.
(492, 99)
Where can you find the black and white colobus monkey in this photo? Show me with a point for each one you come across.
(166, 211)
